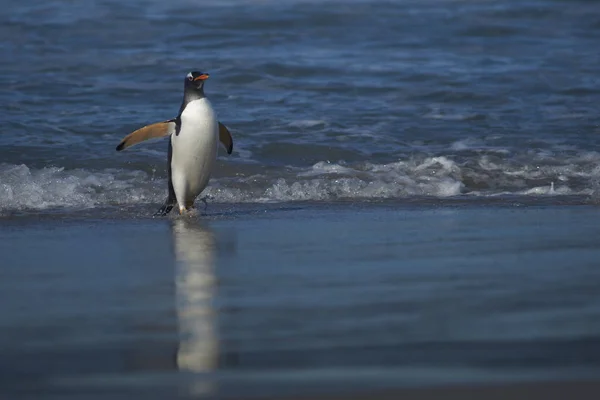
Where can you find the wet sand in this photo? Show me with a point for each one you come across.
(528, 391)
(303, 301)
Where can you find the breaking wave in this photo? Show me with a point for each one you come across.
(23, 188)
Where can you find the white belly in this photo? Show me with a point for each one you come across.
(194, 151)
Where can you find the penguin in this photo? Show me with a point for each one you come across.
(194, 139)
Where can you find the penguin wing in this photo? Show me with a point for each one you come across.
(152, 131)
(225, 138)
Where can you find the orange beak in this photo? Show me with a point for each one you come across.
(201, 77)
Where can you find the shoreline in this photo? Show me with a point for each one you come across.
(145, 211)
(536, 390)
(259, 300)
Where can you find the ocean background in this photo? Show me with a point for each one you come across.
(411, 198)
(327, 101)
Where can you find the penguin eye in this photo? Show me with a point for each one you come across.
(190, 78)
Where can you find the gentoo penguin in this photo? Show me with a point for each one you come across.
(194, 138)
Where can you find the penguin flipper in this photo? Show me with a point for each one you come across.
(225, 138)
(171, 198)
(152, 131)
(169, 202)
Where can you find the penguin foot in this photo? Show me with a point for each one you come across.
(190, 211)
(164, 210)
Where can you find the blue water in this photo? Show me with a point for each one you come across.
(359, 100)
(310, 299)
(411, 199)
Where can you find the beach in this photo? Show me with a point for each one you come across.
(302, 300)
(410, 209)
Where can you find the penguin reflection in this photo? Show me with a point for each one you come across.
(195, 288)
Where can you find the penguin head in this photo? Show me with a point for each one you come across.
(195, 80)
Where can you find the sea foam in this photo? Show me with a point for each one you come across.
(37, 189)
(24, 188)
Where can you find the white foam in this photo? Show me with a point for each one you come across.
(465, 144)
(23, 188)
(547, 190)
(326, 167)
(307, 123)
(540, 174)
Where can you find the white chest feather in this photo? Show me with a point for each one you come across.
(199, 116)
(194, 149)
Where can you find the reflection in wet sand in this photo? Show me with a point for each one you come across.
(195, 288)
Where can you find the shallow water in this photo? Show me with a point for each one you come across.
(359, 100)
(306, 300)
